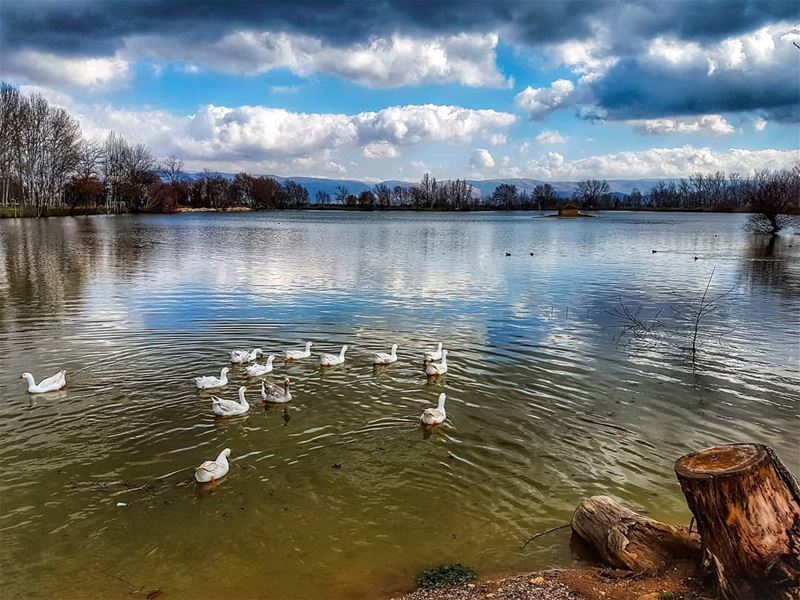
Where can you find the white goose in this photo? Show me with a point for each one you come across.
(291, 355)
(433, 369)
(210, 383)
(51, 384)
(239, 357)
(434, 416)
(211, 470)
(381, 358)
(230, 408)
(331, 360)
(435, 355)
(259, 370)
(272, 393)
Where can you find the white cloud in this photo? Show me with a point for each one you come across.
(49, 69)
(380, 150)
(550, 137)
(258, 138)
(745, 52)
(659, 162)
(466, 58)
(498, 139)
(759, 124)
(418, 166)
(481, 159)
(588, 58)
(540, 102)
(707, 124)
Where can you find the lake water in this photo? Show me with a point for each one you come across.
(547, 403)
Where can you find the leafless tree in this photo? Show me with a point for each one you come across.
(774, 199)
(592, 192)
(172, 170)
(90, 159)
(544, 195)
(47, 151)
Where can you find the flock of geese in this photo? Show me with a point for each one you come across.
(212, 470)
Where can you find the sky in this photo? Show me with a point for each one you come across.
(387, 90)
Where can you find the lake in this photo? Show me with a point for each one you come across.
(339, 494)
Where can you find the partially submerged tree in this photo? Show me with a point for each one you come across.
(774, 199)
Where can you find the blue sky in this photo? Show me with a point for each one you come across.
(554, 91)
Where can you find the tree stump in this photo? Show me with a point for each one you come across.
(627, 540)
(747, 509)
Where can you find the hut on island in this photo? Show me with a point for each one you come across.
(569, 210)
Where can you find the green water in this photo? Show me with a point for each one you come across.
(546, 404)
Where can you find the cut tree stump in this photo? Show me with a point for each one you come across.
(747, 508)
(627, 540)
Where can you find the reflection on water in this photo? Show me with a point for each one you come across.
(339, 494)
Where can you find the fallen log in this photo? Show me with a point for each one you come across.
(625, 539)
(747, 508)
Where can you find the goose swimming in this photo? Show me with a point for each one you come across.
(50, 384)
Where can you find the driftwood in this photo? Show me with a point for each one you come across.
(747, 509)
(627, 540)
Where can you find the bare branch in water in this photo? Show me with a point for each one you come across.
(697, 313)
(635, 326)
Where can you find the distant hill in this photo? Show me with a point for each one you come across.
(484, 187)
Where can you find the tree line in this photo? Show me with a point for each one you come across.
(46, 162)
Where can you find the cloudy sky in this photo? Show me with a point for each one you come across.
(389, 90)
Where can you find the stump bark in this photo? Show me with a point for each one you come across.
(747, 508)
(627, 540)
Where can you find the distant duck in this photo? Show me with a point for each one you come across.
(230, 408)
(239, 357)
(272, 393)
(508, 253)
(654, 251)
(531, 253)
(290, 355)
(434, 416)
(381, 358)
(433, 369)
(210, 383)
(212, 470)
(435, 355)
(332, 360)
(696, 257)
(51, 384)
(259, 370)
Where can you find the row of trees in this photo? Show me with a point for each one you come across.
(45, 162)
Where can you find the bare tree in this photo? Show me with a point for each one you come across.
(341, 194)
(544, 195)
(383, 194)
(296, 194)
(774, 199)
(592, 192)
(171, 169)
(47, 151)
(9, 134)
(504, 196)
(322, 198)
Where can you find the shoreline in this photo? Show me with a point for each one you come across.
(28, 213)
(680, 579)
